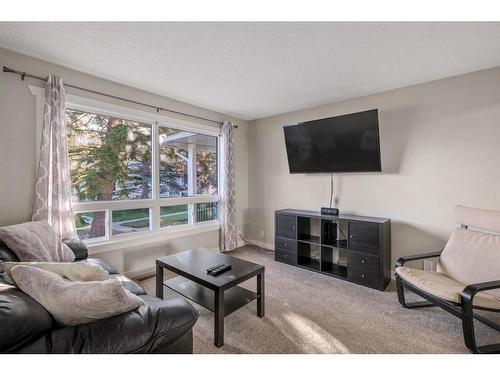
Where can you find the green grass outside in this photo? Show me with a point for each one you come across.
(122, 215)
(180, 218)
(174, 209)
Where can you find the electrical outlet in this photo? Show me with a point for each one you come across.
(428, 265)
(262, 234)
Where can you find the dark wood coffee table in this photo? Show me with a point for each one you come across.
(219, 294)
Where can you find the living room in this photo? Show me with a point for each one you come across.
(250, 187)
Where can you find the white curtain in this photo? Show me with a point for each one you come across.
(229, 234)
(52, 200)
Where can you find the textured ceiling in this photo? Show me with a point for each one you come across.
(255, 70)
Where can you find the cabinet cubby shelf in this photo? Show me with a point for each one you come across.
(348, 247)
(339, 244)
(312, 241)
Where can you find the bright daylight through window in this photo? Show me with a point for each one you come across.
(113, 167)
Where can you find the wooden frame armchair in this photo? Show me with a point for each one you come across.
(467, 277)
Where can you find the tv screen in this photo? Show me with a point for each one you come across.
(348, 143)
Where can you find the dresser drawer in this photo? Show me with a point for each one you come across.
(364, 262)
(363, 277)
(286, 226)
(364, 237)
(285, 244)
(285, 256)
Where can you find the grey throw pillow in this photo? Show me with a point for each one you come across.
(78, 247)
(73, 302)
(35, 241)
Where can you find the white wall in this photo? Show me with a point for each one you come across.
(440, 144)
(18, 152)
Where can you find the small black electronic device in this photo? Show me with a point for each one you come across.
(330, 211)
(221, 269)
(214, 267)
(329, 230)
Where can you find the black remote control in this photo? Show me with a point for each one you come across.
(220, 270)
(214, 267)
(219, 267)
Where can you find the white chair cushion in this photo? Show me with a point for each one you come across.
(471, 257)
(444, 287)
(478, 218)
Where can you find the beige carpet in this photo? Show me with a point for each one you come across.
(308, 312)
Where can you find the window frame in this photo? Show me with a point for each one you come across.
(155, 202)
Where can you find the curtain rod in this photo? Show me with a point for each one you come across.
(24, 75)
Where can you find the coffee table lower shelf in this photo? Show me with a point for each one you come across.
(234, 298)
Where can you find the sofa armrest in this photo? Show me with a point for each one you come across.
(408, 258)
(151, 328)
(471, 290)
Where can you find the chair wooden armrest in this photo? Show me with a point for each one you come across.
(468, 316)
(408, 258)
(471, 290)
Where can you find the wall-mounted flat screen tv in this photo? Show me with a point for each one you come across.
(348, 143)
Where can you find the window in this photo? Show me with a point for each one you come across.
(128, 221)
(132, 176)
(91, 225)
(174, 215)
(110, 158)
(188, 163)
(206, 211)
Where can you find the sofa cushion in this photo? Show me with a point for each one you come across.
(22, 319)
(471, 257)
(73, 302)
(35, 241)
(444, 287)
(147, 329)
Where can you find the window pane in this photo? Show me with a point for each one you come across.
(110, 158)
(207, 211)
(174, 215)
(206, 161)
(173, 163)
(90, 224)
(185, 157)
(127, 221)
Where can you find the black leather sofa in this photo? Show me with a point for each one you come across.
(159, 326)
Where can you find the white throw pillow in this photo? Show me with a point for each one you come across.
(74, 302)
(36, 241)
(70, 270)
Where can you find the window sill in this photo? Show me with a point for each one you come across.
(138, 239)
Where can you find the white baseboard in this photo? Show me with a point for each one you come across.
(263, 245)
